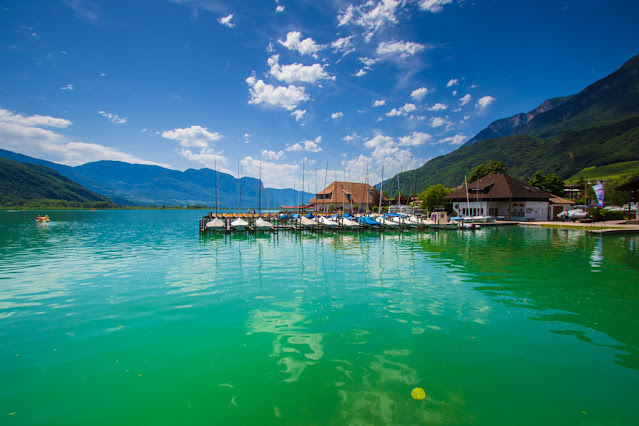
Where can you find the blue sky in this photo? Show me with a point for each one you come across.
(193, 83)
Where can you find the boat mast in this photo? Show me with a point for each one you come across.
(343, 191)
(326, 176)
(399, 193)
(467, 199)
(259, 205)
(381, 191)
(239, 196)
(215, 174)
(350, 178)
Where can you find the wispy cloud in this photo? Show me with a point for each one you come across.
(67, 87)
(113, 118)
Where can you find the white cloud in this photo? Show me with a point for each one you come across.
(67, 87)
(305, 47)
(7, 116)
(273, 175)
(419, 94)
(343, 45)
(22, 134)
(279, 9)
(387, 152)
(194, 136)
(452, 82)
(416, 139)
(350, 137)
(272, 155)
(453, 140)
(454, 92)
(379, 102)
(370, 15)
(337, 115)
(465, 99)
(433, 6)
(438, 107)
(409, 107)
(298, 114)
(297, 72)
(113, 118)
(368, 63)
(207, 157)
(403, 49)
(226, 21)
(401, 111)
(474, 86)
(438, 121)
(484, 102)
(307, 145)
(284, 97)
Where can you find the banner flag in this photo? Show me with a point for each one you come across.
(599, 192)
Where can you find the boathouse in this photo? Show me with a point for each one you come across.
(503, 197)
(344, 195)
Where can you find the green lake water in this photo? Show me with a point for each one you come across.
(133, 318)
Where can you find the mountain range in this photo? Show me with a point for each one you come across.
(598, 126)
(145, 185)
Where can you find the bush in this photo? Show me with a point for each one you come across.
(331, 207)
(375, 209)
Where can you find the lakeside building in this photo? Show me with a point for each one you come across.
(502, 196)
(345, 194)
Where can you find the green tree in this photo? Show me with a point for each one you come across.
(433, 196)
(550, 183)
(488, 168)
(616, 198)
(375, 209)
(331, 207)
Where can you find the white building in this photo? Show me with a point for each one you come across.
(501, 196)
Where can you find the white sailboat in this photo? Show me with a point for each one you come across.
(239, 224)
(387, 222)
(328, 223)
(216, 224)
(263, 225)
(349, 224)
(307, 223)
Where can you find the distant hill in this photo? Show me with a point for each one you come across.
(138, 184)
(596, 127)
(20, 182)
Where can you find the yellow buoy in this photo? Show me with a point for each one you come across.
(418, 394)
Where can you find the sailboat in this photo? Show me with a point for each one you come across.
(216, 224)
(328, 223)
(262, 224)
(239, 224)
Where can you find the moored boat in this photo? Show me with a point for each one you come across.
(263, 225)
(239, 224)
(216, 224)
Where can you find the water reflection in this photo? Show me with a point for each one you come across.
(550, 274)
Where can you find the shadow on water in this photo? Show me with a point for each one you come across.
(582, 284)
